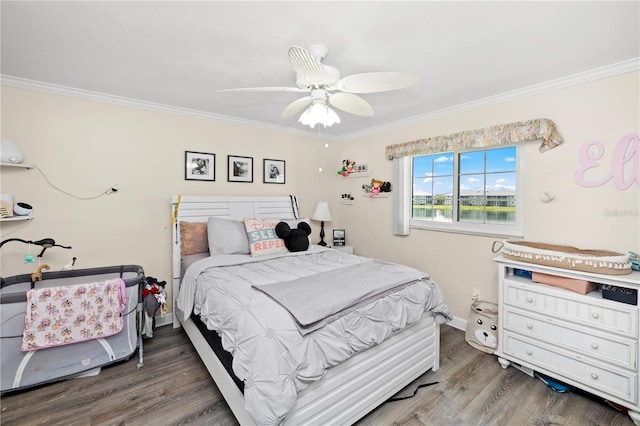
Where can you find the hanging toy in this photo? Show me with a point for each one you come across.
(69, 266)
(28, 258)
(37, 275)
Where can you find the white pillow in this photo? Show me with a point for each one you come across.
(227, 236)
(262, 237)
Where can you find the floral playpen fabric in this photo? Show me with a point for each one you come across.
(68, 314)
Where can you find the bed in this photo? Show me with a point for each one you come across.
(290, 364)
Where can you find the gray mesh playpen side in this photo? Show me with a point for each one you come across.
(20, 370)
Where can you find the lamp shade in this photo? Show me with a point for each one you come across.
(322, 212)
(319, 113)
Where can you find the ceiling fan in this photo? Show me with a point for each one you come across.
(325, 87)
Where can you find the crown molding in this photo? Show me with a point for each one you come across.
(612, 70)
(23, 83)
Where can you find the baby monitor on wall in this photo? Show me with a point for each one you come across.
(9, 153)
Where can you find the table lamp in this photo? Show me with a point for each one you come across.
(322, 214)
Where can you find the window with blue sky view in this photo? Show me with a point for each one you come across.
(474, 186)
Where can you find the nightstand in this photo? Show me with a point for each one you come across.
(345, 249)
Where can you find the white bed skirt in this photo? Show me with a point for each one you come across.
(350, 390)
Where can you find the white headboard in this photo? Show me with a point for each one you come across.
(198, 208)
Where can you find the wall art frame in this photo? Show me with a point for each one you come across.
(274, 171)
(239, 168)
(199, 166)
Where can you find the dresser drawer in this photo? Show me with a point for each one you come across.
(601, 380)
(610, 349)
(584, 310)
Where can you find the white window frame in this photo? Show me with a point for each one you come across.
(487, 229)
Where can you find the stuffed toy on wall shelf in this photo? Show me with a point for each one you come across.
(376, 187)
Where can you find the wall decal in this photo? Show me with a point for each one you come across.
(625, 167)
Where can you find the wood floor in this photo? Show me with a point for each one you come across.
(174, 388)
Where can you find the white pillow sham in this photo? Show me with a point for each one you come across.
(227, 236)
(262, 237)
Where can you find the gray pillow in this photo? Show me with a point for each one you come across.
(227, 236)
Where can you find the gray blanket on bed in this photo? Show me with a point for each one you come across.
(318, 299)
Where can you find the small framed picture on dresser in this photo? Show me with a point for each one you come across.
(338, 237)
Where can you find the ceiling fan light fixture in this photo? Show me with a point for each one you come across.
(319, 113)
(326, 87)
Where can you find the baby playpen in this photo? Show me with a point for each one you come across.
(23, 367)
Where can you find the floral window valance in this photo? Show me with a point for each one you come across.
(502, 134)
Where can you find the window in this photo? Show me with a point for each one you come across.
(470, 191)
(433, 187)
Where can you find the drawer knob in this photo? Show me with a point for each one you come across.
(529, 299)
(595, 315)
(594, 345)
(594, 376)
(529, 352)
(529, 326)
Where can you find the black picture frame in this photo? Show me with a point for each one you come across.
(274, 171)
(239, 168)
(199, 166)
(339, 237)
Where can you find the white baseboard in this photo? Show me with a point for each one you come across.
(459, 323)
(166, 319)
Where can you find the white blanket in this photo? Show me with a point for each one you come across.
(270, 355)
(318, 299)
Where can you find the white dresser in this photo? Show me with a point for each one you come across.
(583, 340)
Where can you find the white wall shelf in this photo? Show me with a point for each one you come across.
(21, 166)
(358, 175)
(347, 202)
(15, 218)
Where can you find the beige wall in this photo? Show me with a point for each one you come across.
(601, 217)
(85, 147)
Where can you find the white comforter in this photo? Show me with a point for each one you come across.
(270, 355)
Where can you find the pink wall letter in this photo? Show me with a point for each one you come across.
(625, 165)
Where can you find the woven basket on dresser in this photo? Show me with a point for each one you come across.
(567, 257)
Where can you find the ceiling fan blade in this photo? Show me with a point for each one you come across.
(265, 89)
(296, 106)
(377, 82)
(351, 103)
(307, 65)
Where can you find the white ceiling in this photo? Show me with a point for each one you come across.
(179, 53)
